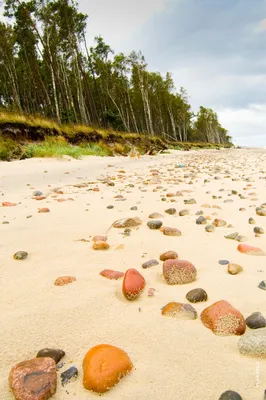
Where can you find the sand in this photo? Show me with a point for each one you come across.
(173, 359)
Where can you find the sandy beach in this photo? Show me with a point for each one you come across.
(173, 359)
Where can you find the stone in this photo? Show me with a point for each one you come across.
(170, 231)
(43, 197)
(154, 224)
(234, 269)
(151, 292)
(251, 221)
(168, 255)
(261, 212)
(8, 204)
(150, 263)
(253, 343)
(256, 320)
(55, 354)
(219, 223)
(69, 375)
(190, 201)
(43, 210)
(33, 379)
(200, 212)
(127, 223)
(178, 272)
(184, 212)
(230, 395)
(210, 228)
(201, 220)
(223, 262)
(250, 250)
(262, 285)
(241, 238)
(133, 284)
(223, 319)
(179, 311)
(64, 280)
(155, 215)
(111, 274)
(134, 208)
(20, 255)
(232, 236)
(259, 230)
(110, 207)
(197, 295)
(37, 193)
(99, 238)
(100, 245)
(104, 366)
(170, 211)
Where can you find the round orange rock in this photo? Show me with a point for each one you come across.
(104, 366)
(133, 284)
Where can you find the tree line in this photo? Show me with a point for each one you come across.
(47, 67)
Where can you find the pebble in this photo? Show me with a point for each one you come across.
(168, 255)
(232, 236)
(37, 193)
(262, 285)
(100, 245)
(251, 221)
(230, 395)
(104, 366)
(69, 375)
(179, 311)
(253, 343)
(250, 250)
(223, 262)
(261, 212)
(55, 354)
(201, 221)
(8, 204)
(154, 224)
(155, 215)
(111, 274)
(184, 212)
(127, 223)
(43, 210)
(259, 230)
(99, 238)
(150, 263)
(178, 272)
(134, 208)
(133, 284)
(110, 207)
(256, 320)
(197, 295)
(64, 280)
(171, 231)
(20, 255)
(234, 269)
(210, 228)
(170, 211)
(219, 223)
(190, 201)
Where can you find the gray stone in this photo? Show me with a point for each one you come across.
(253, 343)
(256, 320)
(190, 201)
(150, 263)
(201, 220)
(197, 295)
(20, 255)
(232, 236)
(154, 224)
(170, 211)
(259, 230)
(68, 375)
(210, 228)
(262, 285)
(230, 395)
(182, 213)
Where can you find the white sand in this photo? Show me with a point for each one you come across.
(173, 359)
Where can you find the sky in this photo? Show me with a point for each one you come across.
(216, 49)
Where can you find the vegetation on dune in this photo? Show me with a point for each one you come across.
(87, 93)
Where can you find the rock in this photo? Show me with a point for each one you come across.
(219, 223)
(168, 255)
(155, 215)
(55, 354)
(232, 236)
(250, 250)
(210, 228)
(190, 201)
(33, 379)
(223, 262)
(110, 207)
(8, 204)
(179, 310)
(37, 193)
(182, 213)
(134, 208)
(68, 375)
(150, 263)
(154, 224)
(64, 280)
(197, 295)
(234, 269)
(230, 395)
(111, 274)
(20, 255)
(253, 343)
(241, 238)
(5, 222)
(261, 212)
(223, 319)
(200, 212)
(256, 320)
(178, 272)
(251, 221)
(170, 211)
(104, 366)
(99, 238)
(151, 292)
(127, 223)
(44, 197)
(133, 284)
(262, 285)
(170, 231)
(201, 220)
(43, 210)
(259, 230)
(100, 245)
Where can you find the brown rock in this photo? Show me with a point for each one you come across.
(170, 231)
(64, 280)
(40, 197)
(178, 272)
(234, 269)
(179, 310)
(127, 223)
(168, 255)
(133, 284)
(223, 319)
(219, 223)
(33, 379)
(111, 274)
(104, 366)
(100, 245)
(43, 210)
(155, 215)
(250, 250)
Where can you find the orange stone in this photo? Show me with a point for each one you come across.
(250, 250)
(100, 245)
(64, 280)
(104, 366)
(168, 255)
(96, 189)
(40, 197)
(8, 204)
(223, 319)
(99, 238)
(111, 274)
(43, 210)
(179, 310)
(170, 231)
(133, 284)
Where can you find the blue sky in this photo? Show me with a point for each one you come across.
(216, 49)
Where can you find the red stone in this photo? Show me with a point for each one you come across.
(64, 280)
(40, 197)
(99, 238)
(43, 210)
(8, 204)
(250, 250)
(111, 274)
(133, 284)
(178, 272)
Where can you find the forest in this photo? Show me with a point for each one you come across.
(48, 68)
